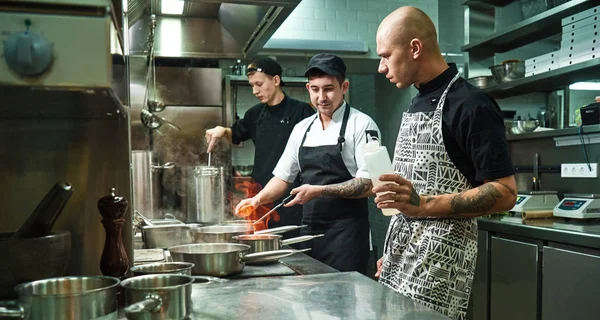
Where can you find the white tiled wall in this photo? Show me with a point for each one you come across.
(346, 19)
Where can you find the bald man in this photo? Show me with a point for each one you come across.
(452, 165)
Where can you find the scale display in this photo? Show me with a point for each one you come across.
(572, 204)
(519, 200)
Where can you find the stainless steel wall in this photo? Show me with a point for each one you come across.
(194, 103)
(523, 152)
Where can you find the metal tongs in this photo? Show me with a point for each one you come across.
(283, 202)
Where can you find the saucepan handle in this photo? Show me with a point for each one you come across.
(300, 239)
(270, 255)
(151, 303)
(11, 310)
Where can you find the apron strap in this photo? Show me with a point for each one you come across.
(341, 138)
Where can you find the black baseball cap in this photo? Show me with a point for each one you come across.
(328, 63)
(266, 66)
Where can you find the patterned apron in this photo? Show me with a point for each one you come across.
(431, 260)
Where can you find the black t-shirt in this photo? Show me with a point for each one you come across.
(269, 127)
(472, 127)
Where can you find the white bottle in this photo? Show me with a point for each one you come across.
(378, 162)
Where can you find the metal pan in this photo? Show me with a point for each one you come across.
(225, 234)
(222, 259)
(268, 242)
(158, 296)
(164, 236)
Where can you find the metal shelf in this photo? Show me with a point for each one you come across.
(547, 81)
(536, 28)
(496, 3)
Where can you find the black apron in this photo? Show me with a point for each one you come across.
(344, 222)
(272, 132)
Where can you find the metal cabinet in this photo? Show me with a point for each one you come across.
(478, 306)
(514, 269)
(571, 285)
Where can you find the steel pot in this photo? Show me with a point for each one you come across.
(66, 298)
(164, 236)
(158, 296)
(268, 242)
(184, 268)
(219, 234)
(222, 259)
(22, 259)
(205, 194)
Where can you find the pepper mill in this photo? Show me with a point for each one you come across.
(114, 260)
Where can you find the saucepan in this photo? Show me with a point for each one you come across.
(222, 259)
(158, 296)
(164, 236)
(225, 234)
(268, 242)
(68, 298)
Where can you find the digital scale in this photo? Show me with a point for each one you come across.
(579, 206)
(535, 200)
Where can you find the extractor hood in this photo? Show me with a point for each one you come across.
(210, 28)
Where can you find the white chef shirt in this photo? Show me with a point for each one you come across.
(288, 166)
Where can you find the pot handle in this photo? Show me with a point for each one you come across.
(270, 255)
(300, 239)
(11, 310)
(151, 303)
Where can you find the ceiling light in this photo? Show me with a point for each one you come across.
(172, 6)
(585, 86)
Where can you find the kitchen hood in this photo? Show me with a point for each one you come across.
(209, 28)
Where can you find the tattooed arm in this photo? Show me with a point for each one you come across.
(351, 189)
(491, 197)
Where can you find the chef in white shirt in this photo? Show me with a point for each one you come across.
(326, 150)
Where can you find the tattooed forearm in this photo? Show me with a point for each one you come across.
(429, 199)
(511, 190)
(415, 200)
(353, 188)
(482, 202)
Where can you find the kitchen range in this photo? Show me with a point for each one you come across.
(112, 208)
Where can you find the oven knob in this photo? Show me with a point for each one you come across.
(28, 53)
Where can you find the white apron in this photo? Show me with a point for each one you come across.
(431, 260)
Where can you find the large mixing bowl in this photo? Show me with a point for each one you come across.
(524, 126)
(31, 259)
(508, 71)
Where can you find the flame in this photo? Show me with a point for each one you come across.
(249, 188)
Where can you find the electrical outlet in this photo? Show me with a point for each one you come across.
(578, 170)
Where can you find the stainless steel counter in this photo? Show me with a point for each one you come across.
(575, 232)
(347, 295)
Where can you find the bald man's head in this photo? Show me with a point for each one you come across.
(407, 23)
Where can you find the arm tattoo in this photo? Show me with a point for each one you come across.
(415, 200)
(511, 190)
(353, 188)
(429, 199)
(480, 203)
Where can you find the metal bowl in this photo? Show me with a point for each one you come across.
(481, 82)
(508, 71)
(524, 126)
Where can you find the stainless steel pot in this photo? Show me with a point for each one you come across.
(205, 194)
(268, 242)
(184, 268)
(25, 260)
(164, 236)
(66, 298)
(158, 296)
(222, 259)
(219, 234)
(147, 186)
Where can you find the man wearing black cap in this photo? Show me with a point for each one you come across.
(269, 125)
(326, 151)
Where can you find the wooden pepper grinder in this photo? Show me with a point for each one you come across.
(114, 260)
